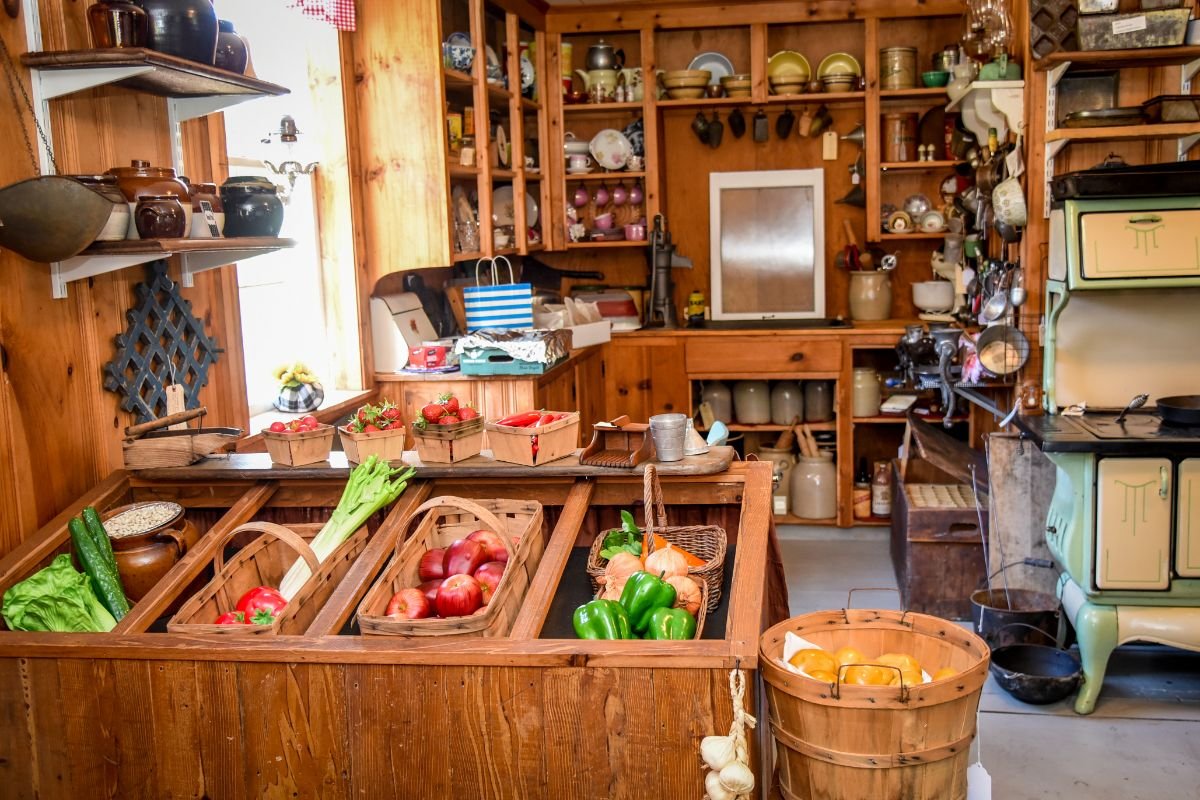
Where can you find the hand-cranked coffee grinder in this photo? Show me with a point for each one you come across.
(662, 289)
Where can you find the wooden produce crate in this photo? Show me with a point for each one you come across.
(555, 440)
(449, 444)
(937, 549)
(264, 562)
(386, 445)
(439, 522)
(299, 449)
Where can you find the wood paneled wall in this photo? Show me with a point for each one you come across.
(60, 431)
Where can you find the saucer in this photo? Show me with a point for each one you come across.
(578, 171)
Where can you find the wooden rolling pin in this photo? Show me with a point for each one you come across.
(134, 431)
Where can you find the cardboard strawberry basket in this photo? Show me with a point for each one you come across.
(295, 449)
(264, 562)
(538, 444)
(438, 523)
(447, 444)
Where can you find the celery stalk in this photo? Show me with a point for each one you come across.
(373, 484)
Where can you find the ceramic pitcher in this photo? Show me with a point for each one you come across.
(594, 79)
(870, 296)
(633, 82)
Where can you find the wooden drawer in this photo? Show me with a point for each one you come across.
(762, 354)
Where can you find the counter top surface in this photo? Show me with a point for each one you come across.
(887, 326)
(258, 466)
(441, 377)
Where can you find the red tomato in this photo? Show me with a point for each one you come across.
(231, 618)
(277, 427)
(261, 598)
(309, 419)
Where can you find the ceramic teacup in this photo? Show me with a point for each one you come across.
(577, 162)
(604, 222)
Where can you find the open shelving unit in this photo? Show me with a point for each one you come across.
(191, 90)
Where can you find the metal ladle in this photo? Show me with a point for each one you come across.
(1017, 294)
(996, 306)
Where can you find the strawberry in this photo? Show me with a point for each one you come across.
(369, 428)
(450, 402)
(466, 412)
(433, 412)
(391, 412)
(449, 419)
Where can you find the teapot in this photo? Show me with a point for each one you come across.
(602, 56)
(595, 79)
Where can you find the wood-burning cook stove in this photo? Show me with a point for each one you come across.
(1123, 318)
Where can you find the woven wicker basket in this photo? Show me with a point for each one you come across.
(706, 542)
(438, 523)
(264, 562)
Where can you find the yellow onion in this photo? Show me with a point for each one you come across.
(687, 593)
(622, 565)
(666, 562)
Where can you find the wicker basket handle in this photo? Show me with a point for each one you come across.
(652, 498)
(286, 535)
(462, 504)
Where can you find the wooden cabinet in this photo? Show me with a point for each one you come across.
(414, 189)
(763, 355)
(645, 376)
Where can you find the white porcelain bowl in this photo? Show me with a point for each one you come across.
(933, 296)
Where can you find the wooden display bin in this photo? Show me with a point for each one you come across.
(485, 704)
(555, 440)
(937, 549)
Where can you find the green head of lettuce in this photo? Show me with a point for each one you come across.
(57, 598)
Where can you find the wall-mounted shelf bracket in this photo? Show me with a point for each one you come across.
(992, 104)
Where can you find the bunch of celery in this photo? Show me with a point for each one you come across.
(373, 484)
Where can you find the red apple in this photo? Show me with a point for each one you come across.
(429, 589)
(459, 596)
(431, 564)
(408, 604)
(492, 543)
(463, 557)
(489, 576)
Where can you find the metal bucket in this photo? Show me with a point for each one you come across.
(994, 609)
(51, 218)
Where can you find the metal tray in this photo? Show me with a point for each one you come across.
(1105, 117)
(1172, 108)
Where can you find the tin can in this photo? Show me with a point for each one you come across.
(898, 68)
(454, 129)
(899, 136)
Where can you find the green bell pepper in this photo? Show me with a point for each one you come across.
(671, 623)
(602, 619)
(643, 593)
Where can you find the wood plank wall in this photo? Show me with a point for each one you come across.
(60, 431)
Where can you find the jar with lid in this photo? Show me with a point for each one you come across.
(898, 68)
(140, 178)
(881, 490)
(787, 402)
(818, 401)
(814, 487)
(717, 395)
(782, 461)
(160, 217)
(252, 207)
(752, 402)
(232, 53)
(866, 397)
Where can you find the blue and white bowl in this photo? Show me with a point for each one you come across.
(458, 56)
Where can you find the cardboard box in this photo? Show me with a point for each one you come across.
(494, 361)
(590, 333)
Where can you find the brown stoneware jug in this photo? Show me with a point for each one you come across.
(144, 558)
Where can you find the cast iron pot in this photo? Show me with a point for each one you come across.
(1035, 673)
(183, 28)
(252, 207)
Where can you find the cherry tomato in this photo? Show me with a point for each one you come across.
(309, 419)
(277, 427)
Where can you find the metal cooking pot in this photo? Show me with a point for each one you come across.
(1183, 409)
(1002, 349)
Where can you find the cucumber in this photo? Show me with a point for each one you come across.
(105, 582)
(96, 528)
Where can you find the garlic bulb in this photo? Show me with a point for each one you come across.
(714, 790)
(717, 751)
(737, 778)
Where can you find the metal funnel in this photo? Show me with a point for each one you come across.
(50, 218)
(857, 196)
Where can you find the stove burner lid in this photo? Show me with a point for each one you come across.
(1103, 425)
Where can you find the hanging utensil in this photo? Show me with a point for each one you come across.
(851, 251)
(761, 128)
(858, 135)
(783, 125)
(737, 123)
(1137, 402)
(700, 127)
(716, 130)
(1017, 294)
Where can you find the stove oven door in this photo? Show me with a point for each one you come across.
(1133, 523)
(1187, 520)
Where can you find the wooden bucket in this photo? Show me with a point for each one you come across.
(439, 522)
(707, 542)
(846, 742)
(264, 562)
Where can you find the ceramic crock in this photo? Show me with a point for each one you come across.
(160, 217)
(870, 295)
(141, 178)
(144, 558)
(814, 487)
(183, 28)
(205, 191)
(252, 207)
(118, 220)
(232, 52)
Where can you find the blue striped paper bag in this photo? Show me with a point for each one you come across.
(501, 305)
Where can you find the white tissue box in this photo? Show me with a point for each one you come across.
(590, 333)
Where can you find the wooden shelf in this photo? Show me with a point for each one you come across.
(455, 78)
(530, 105)
(198, 255)
(459, 171)
(533, 175)
(703, 102)
(917, 166)
(504, 174)
(194, 89)
(606, 176)
(818, 97)
(1118, 59)
(618, 243)
(791, 519)
(1169, 130)
(934, 93)
(883, 419)
(914, 236)
(498, 92)
(601, 108)
(882, 522)
(812, 426)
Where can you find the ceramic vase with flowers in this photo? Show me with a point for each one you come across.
(299, 389)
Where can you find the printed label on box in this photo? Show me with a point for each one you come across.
(1130, 25)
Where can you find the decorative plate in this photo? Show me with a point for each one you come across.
(789, 63)
(715, 63)
(839, 64)
(459, 39)
(495, 74)
(611, 149)
(527, 73)
(503, 211)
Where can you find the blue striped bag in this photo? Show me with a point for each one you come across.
(501, 305)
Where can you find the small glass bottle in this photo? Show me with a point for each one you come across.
(862, 491)
(881, 490)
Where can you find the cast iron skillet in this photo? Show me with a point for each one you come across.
(1181, 409)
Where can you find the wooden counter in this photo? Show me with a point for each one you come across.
(142, 714)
